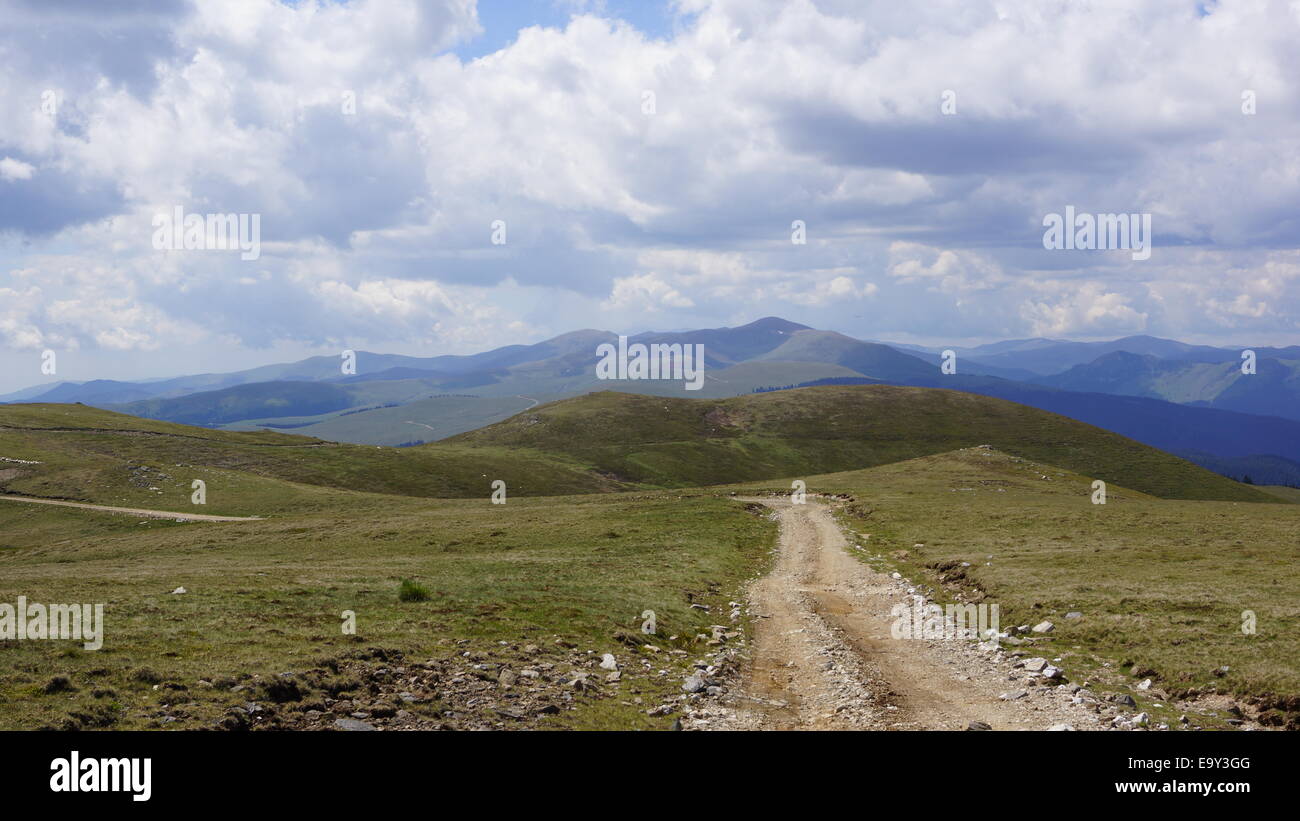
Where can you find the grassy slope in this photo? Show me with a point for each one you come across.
(1161, 583)
(98, 456)
(1289, 494)
(736, 380)
(672, 442)
(598, 442)
(265, 597)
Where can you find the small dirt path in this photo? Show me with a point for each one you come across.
(134, 511)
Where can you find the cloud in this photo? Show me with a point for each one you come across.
(648, 178)
(70, 303)
(945, 270)
(646, 292)
(1085, 309)
(11, 169)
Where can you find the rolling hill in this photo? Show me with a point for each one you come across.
(674, 442)
(84, 454)
(597, 442)
(1186, 399)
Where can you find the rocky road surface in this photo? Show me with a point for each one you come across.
(823, 657)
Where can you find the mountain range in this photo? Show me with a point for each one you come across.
(1190, 400)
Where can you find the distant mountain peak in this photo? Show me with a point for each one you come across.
(774, 323)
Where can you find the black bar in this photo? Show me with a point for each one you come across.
(405, 772)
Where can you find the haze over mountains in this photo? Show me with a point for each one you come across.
(1191, 400)
(1043, 357)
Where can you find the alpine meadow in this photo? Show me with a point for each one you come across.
(757, 368)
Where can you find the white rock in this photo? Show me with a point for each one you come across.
(1145, 685)
(179, 591)
(1044, 627)
(607, 662)
(1057, 728)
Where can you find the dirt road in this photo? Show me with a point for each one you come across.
(823, 656)
(134, 511)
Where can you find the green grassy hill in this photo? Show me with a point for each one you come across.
(678, 443)
(90, 455)
(594, 443)
(1287, 494)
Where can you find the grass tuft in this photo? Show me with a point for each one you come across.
(412, 591)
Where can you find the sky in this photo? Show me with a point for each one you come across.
(445, 176)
